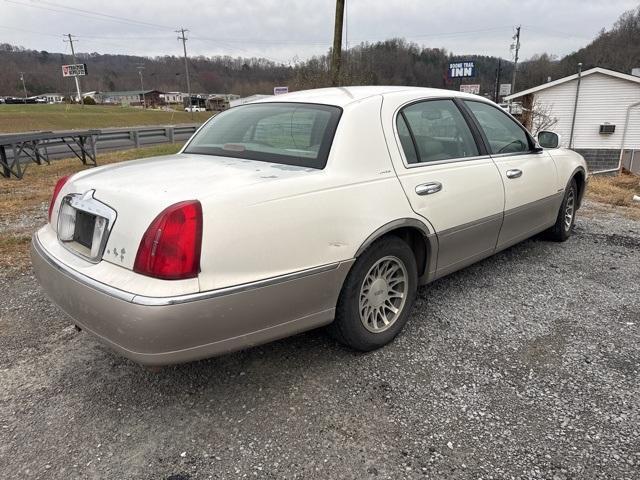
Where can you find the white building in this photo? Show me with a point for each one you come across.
(52, 97)
(606, 111)
(174, 97)
(250, 99)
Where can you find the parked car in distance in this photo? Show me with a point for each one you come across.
(193, 108)
(320, 207)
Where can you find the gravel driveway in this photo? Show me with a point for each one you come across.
(525, 365)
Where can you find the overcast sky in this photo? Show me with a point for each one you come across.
(284, 30)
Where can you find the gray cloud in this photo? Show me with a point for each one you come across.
(284, 30)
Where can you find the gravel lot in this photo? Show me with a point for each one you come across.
(525, 365)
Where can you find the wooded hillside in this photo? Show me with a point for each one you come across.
(391, 62)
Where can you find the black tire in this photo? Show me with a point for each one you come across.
(348, 328)
(562, 229)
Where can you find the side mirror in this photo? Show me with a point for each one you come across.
(548, 139)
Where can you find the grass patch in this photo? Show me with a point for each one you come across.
(22, 118)
(615, 190)
(24, 203)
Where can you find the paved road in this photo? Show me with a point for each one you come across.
(525, 365)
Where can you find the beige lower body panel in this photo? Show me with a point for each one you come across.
(182, 332)
(461, 246)
(464, 245)
(523, 222)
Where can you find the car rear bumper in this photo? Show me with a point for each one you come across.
(165, 330)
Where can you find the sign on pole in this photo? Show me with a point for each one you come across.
(462, 69)
(505, 89)
(280, 90)
(471, 88)
(76, 70)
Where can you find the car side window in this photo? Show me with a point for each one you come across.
(406, 141)
(503, 134)
(434, 130)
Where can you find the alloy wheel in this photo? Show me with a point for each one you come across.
(569, 210)
(383, 294)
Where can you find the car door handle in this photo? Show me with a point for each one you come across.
(428, 188)
(514, 173)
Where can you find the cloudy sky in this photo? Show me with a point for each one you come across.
(286, 30)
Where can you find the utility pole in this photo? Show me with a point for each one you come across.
(337, 44)
(186, 65)
(73, 55)
(515, 46)
(496, 97)
(144, 101)
(575, 106)
(24, 88)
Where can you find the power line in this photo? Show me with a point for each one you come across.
(89, 14)
(30, 31)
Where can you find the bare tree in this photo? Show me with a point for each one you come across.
(541, 117)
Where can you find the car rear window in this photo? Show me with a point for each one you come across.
(289, 133)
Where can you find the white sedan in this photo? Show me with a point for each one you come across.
(319, 207)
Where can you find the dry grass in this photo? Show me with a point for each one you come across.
(24, 203)
(617, 191)
(23, 118)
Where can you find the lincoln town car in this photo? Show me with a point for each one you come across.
(325, 207)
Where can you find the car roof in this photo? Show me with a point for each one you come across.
(342, 96)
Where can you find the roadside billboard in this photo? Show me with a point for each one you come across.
(75, 70)
(462, 69)
(471, 88)
(505, 89)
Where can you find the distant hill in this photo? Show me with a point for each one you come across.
(391, 62)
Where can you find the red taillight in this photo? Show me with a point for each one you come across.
(56, 190)
(170, 248)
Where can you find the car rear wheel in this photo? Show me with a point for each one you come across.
(377, 295)
(563, 227)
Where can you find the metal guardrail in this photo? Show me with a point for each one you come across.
(39, 147)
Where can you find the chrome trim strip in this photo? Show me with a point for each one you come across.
(410, 166)
(471, 224)
(244, 287)
(178, 299)
(516, 154)
(401, 222)
(535, 203)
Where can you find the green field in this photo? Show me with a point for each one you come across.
(24, 118)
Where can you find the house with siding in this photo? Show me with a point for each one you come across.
(150, 98)
(606, 107)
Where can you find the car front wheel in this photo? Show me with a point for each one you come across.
(377, 295)
(561, 231)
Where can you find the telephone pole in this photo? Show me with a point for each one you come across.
(24, 88)
(496, 97)
(515, 46)
(336, 56)
(73, 55)
(144, 101)
(186, 64)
